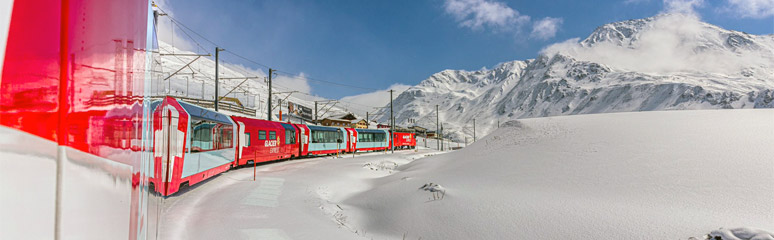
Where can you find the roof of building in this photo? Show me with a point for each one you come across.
(345, 116)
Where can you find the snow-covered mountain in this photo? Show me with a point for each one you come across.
(666, 62)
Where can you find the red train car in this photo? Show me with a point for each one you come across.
(404, 140)
(74, 124)
(191, 145)
(303, 140)
(263, 141)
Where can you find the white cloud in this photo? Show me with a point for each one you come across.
(364, 102)
(751, 8)
(682, 6)
(545, 28)
(477, 14)
(740, 8)
(281, 82)
(499, 17)
(293, 83)
(674, 43)
(169, 33)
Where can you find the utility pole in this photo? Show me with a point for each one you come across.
(217, 50)
(437, 130)
(392, 125)
(441, 136)
(315, 112)
(280, 109)
(271, 72)
(474, 129)
(367, 122)
(498, 123)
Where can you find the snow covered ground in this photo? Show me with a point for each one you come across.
(289, 200)
(645, 175)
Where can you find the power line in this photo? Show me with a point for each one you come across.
(329, 82)
(312, 95)
(247, 59)
(181, 25)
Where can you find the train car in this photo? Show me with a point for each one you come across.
(191, 145)
(372, 139)
(404, 140)
(74, 119)
(263, 141)
(352, 137)
(327, 140)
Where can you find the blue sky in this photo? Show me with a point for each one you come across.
(377, 44)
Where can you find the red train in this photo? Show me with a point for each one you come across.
(193, 143)
(83, 141)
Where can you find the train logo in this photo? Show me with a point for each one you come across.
(270, 143)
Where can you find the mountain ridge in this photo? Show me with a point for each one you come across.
(665, 62)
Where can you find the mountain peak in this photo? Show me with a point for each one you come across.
(665, 62)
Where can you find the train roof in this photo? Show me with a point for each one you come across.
(288, 126)
(252, 122)
(202, 113)
(322, 128)
(365, 130)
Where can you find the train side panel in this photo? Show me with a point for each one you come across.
(266, 140)
(405, 140)
(74, 128)
(289, 141)
(324, 140)
(372, 140)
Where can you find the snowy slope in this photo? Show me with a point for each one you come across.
(198, 79)
(666, 62)
(646, 175)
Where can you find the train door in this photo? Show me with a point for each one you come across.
(301, 141)
(241, 142)
(163, 137)
(304, 140)
(353, 137)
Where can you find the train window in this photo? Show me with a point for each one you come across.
(261, 135)
(247, 141)
(272, 135)
(324, 136)
(225, 136)
(290, 137)
(371, 137)
(208, 135)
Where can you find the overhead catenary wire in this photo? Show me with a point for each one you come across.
(293, 75)
(290, 74)
(185, 29)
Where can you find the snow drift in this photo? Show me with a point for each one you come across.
(646, 175)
